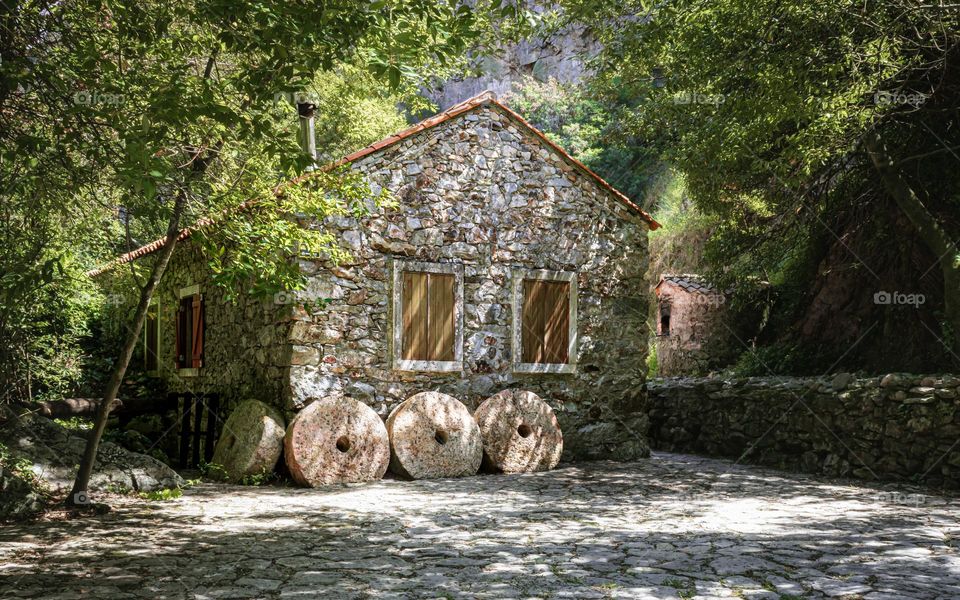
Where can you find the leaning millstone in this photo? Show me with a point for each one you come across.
(520, 433)
(336, 440)
(251, 441)
(433, 435)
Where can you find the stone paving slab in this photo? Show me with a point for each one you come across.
(670, 527)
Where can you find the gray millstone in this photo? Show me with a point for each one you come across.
(433, 435)
(251, 440)
(336, 440)
(520, 433)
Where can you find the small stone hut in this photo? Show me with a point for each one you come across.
(692, 334)
(506, 264)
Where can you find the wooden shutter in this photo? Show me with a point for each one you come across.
(556, 335)
(197, 332)
(427, 304)
(414, 316)
(545, 320)
(441, 297)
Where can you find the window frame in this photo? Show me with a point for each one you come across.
(154, 306)
(426, 366)
(516, 342)
(187, 292)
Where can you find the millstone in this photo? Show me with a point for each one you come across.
(520, 433)
(433, 435)
(336, 440)
(251, 440)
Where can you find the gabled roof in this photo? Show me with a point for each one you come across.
(484, 99)
(688, 282)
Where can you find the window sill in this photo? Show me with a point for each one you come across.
(188, 372)
(544, 368)
(429, 366)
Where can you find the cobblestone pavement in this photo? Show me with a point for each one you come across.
(670, 527)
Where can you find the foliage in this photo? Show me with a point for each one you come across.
(770, 110)
(678, 246)
(652, 367)
(263, 478)
(77, 424)
(163, 495)
(581, 124)
(21, 471)
(114, 115)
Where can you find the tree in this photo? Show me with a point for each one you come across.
(167, 112)
(778, 112)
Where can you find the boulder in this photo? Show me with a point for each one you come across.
(336, 440)
(251, 441)
(54, 453)
(520, 433)
(433, 435)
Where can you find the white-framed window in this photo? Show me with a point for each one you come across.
(151, 339)
(544, 321)
(427, 316)
(190, 326)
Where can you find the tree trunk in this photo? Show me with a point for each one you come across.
(78, 495)
(931, 232)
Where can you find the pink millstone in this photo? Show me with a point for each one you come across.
(336, 440)
(251, 441)
(433, 435)
(520, 433)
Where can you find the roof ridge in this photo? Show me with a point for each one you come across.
(486, 97)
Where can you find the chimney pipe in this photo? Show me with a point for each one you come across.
(308, 139)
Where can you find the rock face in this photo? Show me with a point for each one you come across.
(559, 56)
(433, 435)
(251, 440)
(55, 453)
(520, 433)
(897, 427)
(336, 440)
(18, 498)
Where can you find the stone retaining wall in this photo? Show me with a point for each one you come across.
(897, 426)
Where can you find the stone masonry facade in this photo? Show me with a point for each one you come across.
(895, 427)
(479, 195)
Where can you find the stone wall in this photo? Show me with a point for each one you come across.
(900, 427)
(246, 352)
(699, 340)
(480, 192)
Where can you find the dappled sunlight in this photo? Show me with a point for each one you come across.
(642, 529)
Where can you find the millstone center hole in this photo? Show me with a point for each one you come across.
(440, 436)
(524, 430)
(230, 441)
(343, 443)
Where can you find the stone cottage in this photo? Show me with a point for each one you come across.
(692, 334)
(506, 264)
